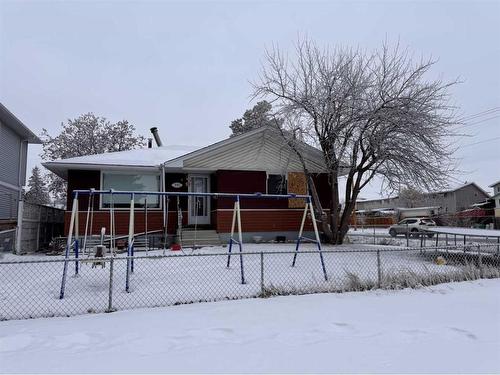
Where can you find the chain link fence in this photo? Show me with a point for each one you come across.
(379, 235)
(30, 289)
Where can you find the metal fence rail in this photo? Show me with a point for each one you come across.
(380, 236)
(30, 289)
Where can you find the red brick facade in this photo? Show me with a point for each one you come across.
(258, 215)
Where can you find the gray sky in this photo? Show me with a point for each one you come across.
(185, 67)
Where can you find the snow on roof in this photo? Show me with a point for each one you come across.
(494, 184)
(138, 157)
(465, 231)
(144, 157)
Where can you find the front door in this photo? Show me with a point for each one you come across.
(199, 206)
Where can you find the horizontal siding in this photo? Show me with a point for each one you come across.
(10, 147)
(263, 221)
(251, 221)
(266, 152)
(8, 203)
(101, 219)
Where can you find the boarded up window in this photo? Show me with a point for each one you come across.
(296, 185)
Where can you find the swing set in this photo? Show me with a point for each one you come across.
(73, 239)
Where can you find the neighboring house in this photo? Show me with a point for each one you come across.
(450, 201)
(14, 140)
(496, 198)
(257, 161)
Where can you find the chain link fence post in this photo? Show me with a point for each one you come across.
(110, 292)
(480, 261)
(379, 270)
(261, 273)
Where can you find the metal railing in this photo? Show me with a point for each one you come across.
(30, 288)
(379, 235)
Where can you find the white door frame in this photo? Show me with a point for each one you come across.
(193, 219)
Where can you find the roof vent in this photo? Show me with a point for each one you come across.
(154, 131)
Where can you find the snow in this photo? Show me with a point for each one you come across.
(149, 157)
(32, 290)
(465, 231)
(452, 328)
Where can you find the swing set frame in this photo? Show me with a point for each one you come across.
(236, 227)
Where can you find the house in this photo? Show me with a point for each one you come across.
(449, 201)
(496, 198)
(14, 140)
(257, 161)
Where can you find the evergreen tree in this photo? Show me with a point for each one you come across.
(37, 192)
(260, 115)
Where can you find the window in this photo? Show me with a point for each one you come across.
(131, 182)
(276, 184)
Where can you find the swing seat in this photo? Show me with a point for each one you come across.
(100, 252)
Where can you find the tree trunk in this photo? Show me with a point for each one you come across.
(320, 215)
(334, 206)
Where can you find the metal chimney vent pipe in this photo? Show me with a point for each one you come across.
(150, 142)
(154, 131)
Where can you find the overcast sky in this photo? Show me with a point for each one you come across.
(185, 67)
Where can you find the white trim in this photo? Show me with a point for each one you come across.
(205, 220)
(101, 208)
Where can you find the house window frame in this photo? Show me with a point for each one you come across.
(285, 175)
(133, 172)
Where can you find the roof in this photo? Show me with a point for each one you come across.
(461, 187)
(8, 118)
(431, 192)
(262, 148)
(494, 184)
(138, 158)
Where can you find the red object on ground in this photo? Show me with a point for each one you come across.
(175, 247)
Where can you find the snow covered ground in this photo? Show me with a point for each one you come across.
(452, 328)
(32, 290)
(449, 236)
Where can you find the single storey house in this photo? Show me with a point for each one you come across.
(257, 161)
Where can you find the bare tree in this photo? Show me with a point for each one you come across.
(371, 114)
(410, 197)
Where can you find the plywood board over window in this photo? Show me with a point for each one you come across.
(297, 184)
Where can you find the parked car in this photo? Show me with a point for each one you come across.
(412, 226)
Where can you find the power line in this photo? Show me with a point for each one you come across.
(479, 142)
(486, 112)
(479, 121)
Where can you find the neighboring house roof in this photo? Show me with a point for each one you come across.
(461, 187)
(8, 118)
(259, 149)
(495, 184)
(430, 193)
